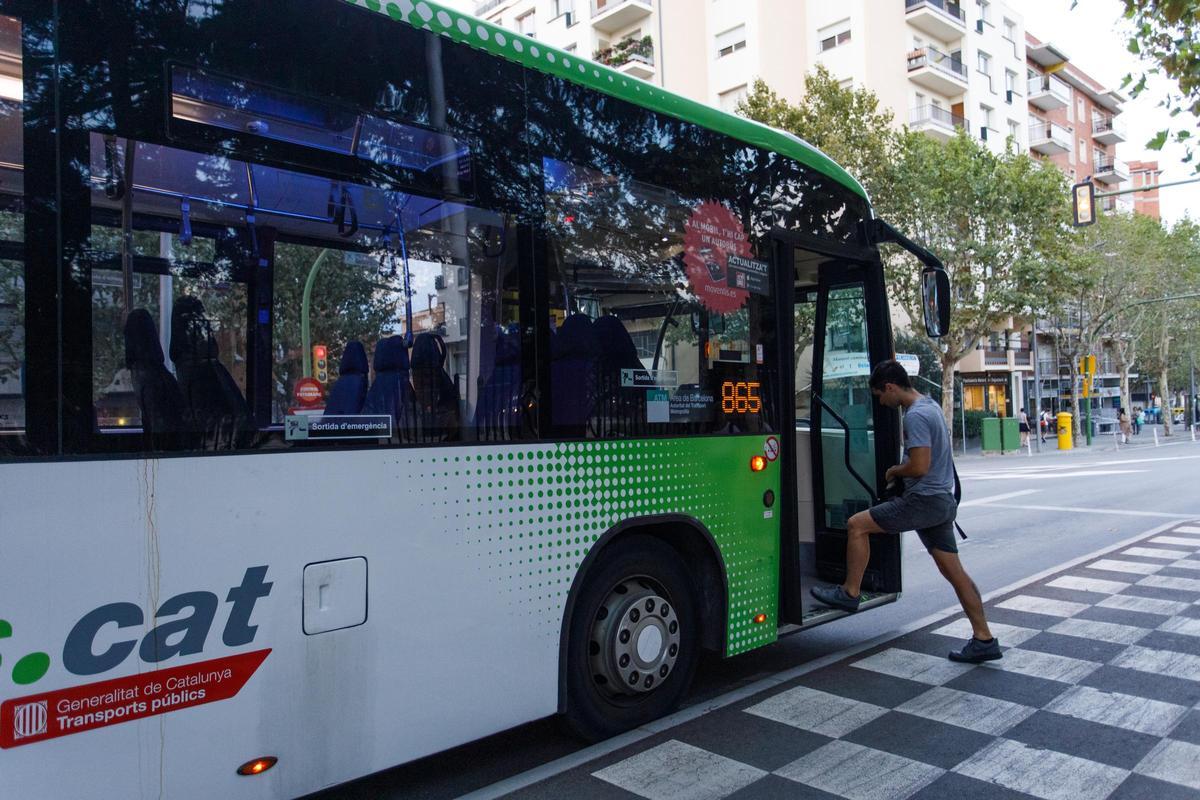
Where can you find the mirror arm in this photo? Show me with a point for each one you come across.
(880, 231)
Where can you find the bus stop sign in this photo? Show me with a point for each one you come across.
(308, 392)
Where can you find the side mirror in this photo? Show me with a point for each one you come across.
(935, 297)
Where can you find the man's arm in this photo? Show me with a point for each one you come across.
(915, 466)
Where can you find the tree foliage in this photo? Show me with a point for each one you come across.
(1163, 35)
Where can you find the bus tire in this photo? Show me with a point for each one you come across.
(634, 639)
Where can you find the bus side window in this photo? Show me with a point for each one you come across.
(12, 248)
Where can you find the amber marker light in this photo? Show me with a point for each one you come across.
(257, 766)
(759, 619)
(758, 463)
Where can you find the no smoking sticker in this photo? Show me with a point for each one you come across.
(771, 448)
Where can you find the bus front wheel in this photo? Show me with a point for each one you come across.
(634, 639)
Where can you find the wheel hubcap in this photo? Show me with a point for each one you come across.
(635, 639)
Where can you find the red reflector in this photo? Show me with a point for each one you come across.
(759, 619)
(257, 766)
(758, 463)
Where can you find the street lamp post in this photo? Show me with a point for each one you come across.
(1037, 387)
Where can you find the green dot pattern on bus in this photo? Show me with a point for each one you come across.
(528, 515)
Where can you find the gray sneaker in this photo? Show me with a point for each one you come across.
(836, 597)
(976, 652)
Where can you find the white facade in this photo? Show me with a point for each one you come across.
(937, 65)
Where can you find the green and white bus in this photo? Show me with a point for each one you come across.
(373, 379)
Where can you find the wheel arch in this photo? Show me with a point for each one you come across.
(695, 545)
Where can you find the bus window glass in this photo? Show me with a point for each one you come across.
(651, 300)
(846, 373)
(812, 205)
(12, 236)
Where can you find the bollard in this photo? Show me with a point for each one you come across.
(1117, 439)
(1156, 437)
(1029, 445)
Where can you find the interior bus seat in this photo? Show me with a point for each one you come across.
(498, 412)
(349, 391)
(573, 355)
(158, 395)
(213, 403)
(390, 392)
(620, 410)
(437, 415)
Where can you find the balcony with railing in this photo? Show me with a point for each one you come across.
(937, 71)
(1108, 128)
(1048, 138)
(941, 19)
(995, 358)
(936, 121)
(631, 56)
(611, 16)
(1048, 92)
(1109, 169)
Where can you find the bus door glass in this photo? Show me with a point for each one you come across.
(851, 335)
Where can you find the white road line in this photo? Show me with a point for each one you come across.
(1040, 476)
(995, 498)
(580, 757)
(1114, 511)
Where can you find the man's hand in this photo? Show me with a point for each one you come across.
(890, 475)
(915, 466)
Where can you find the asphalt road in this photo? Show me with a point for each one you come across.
(1023, 515)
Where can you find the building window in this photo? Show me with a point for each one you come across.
(1083, 156)
(985, 10)
(1010, 85)
(728, 100)
(563, 7)
(1014, 129)
(834, 35)
(985, 63)
(1010, 33)
(731, 41)
(527, 23)
(571, 48)
(985, 114)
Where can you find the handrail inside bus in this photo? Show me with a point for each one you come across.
(846, 444)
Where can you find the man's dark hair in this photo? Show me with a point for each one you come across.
(890, 371)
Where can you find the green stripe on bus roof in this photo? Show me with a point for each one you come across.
(534, 54)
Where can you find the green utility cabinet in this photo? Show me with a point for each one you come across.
(990, 435)
(1010, 434)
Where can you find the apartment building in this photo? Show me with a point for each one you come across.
(1145, 173)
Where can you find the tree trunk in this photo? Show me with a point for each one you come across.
(1076, 421)
(1126, 397)
(1168, 406)
(948, 396)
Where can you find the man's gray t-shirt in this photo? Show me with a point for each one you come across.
(924, 426)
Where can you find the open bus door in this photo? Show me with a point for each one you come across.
(844, 440)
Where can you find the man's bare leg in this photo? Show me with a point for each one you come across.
(858, 550)
(968, 593)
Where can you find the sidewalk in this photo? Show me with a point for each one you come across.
(1097, 696)
(1100, 445)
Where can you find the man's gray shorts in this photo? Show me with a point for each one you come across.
(930, 515)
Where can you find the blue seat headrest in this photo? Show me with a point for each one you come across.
(391, 355)
(354, 359)
(427, 352)
(575, 338)
(141, 339)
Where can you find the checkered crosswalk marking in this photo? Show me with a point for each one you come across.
(1088, 585)
(1099, 685)
(1042, 773)
(921, 667)
(1009, 635)
(1117, 565)
(1188, 626)
(1144, 605)
(816, 711)
(1155, 552)
(860, 773)
(1193, 543)
(678, 771)
(965, 710)
(1159, 662)
(1111, 632)
(1187, 529)
(1173, 761)
(1118, 710)
(1042, 605)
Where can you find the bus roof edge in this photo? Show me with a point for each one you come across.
(531, 53)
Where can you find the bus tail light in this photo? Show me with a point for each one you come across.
(758, 463)
(759, 619)
(257, 766)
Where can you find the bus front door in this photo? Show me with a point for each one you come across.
(844, 439)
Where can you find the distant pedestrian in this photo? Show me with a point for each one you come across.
(1141, 419)
(1024, 427)
(1126, 426)
(926, 505)
(1046, 418)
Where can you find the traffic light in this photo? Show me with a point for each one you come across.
(321, 363)
(1083, 203)
(1087, 365)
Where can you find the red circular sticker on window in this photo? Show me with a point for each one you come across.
(713, 234)
(308, 392)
